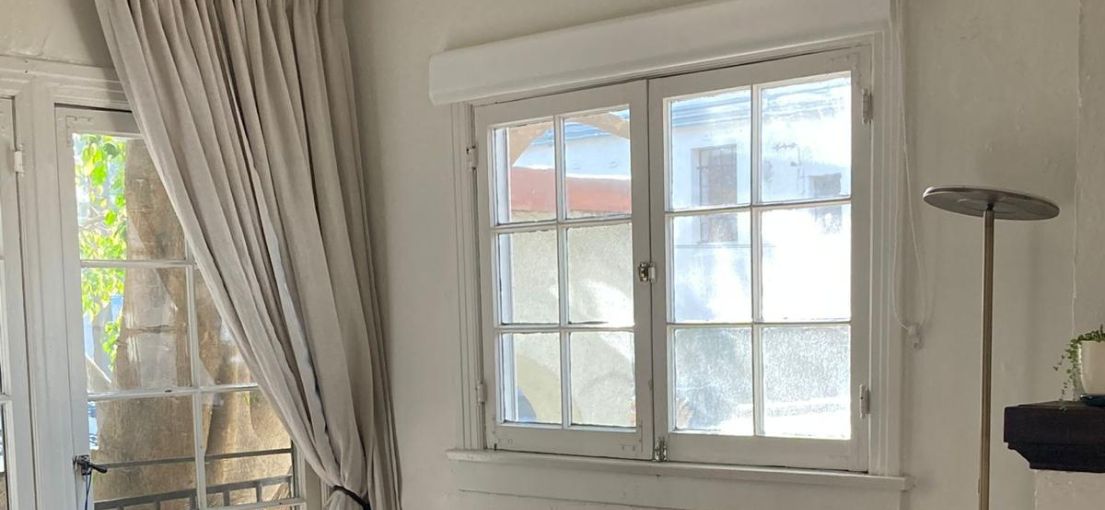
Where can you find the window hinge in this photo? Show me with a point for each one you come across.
(17, 160)
(481, 393)
(660, 451)
(646, 272)
(470, 157)
(864, 400)
(868, 106)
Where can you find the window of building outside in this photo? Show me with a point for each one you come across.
(748, 329)
(172, 410)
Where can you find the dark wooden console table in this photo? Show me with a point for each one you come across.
(1058, 436)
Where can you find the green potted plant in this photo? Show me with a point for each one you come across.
(1084, 363)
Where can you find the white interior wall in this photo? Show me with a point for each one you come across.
(992, 98)
(992, 95)
(1089, 276)
(59, 30)
(1077, 491)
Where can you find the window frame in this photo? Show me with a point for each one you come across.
(15, 401)
(599, 441)
(72, 120)
(867, 318)
(848, 454)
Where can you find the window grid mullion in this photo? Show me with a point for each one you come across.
(135, 263)
(562, 269)
(565, 380)
(199, 449)
(538, 226)
(757, 264)
(571, 328)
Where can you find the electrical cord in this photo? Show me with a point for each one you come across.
(87, 489)
(87, 467)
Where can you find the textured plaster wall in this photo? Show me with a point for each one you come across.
(1069, 491)
(992, 99)
(1083, 491)
(1089, 278)
(60, 30)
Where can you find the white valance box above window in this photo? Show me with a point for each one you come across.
(678, 39)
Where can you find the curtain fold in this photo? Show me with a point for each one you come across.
(248, 109)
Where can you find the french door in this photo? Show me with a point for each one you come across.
(160, 394)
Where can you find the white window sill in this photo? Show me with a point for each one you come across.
(669, 484)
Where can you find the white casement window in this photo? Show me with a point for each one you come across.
(680, 268)
(16, 464)
(161, 395)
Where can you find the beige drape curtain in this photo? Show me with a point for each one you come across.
(247, 107)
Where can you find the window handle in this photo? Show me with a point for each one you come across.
(85, 464)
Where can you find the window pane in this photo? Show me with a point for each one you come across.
(807, 263)
(249, 479)
(600, 274)
(241, 421)
(140, 429)
(135, 328)
(122, 209)
(3, 463)
(597, 164)
(528, 278)
(603, 379)
(807, 140)
(156, 432)
(248, 457)
(153, 441)
(531, 378)
(712, 268)
(709, 157)
(806, 381)
(525, 172)
(166, 486)
(713, 380)
(222, 361)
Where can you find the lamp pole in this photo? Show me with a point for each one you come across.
(987, 356)
(990, 204)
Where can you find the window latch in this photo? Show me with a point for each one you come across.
(86, 466)
(646, 272)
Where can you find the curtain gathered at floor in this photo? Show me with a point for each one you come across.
(247, 107)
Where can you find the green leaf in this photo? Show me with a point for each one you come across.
(99, 174)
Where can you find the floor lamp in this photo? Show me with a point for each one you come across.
(990, 204)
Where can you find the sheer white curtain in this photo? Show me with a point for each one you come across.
(247, 106)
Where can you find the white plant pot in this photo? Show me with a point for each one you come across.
(1093, 368)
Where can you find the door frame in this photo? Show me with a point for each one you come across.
(35, 89)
